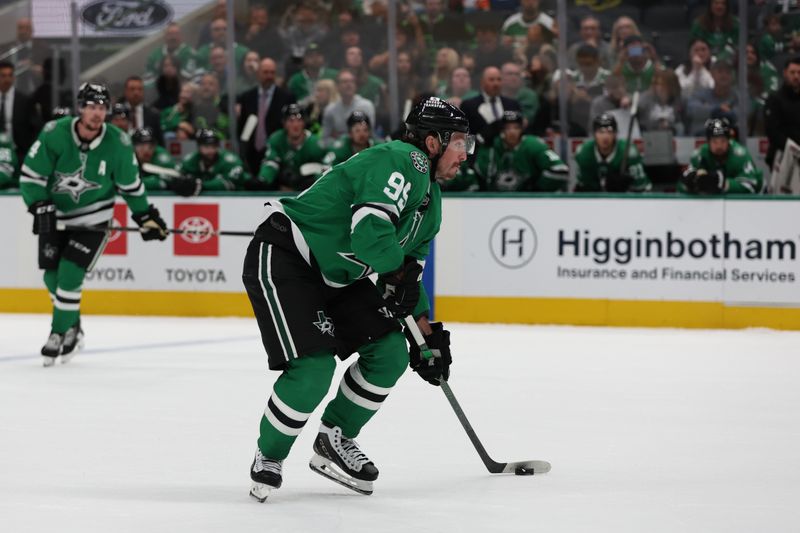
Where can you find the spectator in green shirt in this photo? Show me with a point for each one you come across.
(718, 28)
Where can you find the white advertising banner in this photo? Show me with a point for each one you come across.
(671, 249)
(108, 18)
(181, 263)
(737, 251)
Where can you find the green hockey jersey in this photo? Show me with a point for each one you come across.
(593, 167)
(741, 174)
(9, 166)
(225, 174)
(366, 214)
(301, 85)
(529, 166)
(159, 182)
(341, 151)
(184, 55)
(82, 180)
(283, 163)
(465, 181)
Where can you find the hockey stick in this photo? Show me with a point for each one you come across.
(162, 171)
(169, 230)
(623, 168)
(519, 468)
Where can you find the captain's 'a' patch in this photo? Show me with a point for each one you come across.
(420, 161)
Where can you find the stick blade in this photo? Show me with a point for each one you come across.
(537, 467)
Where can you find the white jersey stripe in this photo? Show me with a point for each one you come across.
(280, 426)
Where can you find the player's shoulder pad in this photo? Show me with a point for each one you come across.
(49, 126)
(230, 157)
(632, 150)
(739, 150)
(337, 144)
(124, 138)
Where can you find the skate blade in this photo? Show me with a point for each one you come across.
(325, 467)
(48, 361)
(260, 491)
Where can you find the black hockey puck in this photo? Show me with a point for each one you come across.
(522, 471)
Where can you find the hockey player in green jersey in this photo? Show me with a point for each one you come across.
(159, 171)
(306, 276)
(359, 137)
(600, 161)
(70, 177)
(517, 162)
(217, 168)
(9, 166)
(721, 166)
(294, 156)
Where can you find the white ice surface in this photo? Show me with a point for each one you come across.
(153, 427)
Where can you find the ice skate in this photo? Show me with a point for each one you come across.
(73, 341)
(266, 475)
(52, 349)
(340, 459)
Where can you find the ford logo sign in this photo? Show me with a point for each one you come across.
(123, 16)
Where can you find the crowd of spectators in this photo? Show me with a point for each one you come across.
(326, 62)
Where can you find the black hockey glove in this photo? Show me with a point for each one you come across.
(400, 289)
(617, 182)
(711, 182)
(44, 217)
(151, 224)
(186, 186)
(438, 366)
(689, 179)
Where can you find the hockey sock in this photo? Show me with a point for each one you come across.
(51, 282)
(66, 305)
(367, 383)
(295, 395)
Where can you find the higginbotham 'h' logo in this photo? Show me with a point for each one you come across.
(513, 242)
(121, 16)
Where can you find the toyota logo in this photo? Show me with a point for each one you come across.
(114, 234)
(197, 230)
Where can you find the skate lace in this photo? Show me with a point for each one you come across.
(353, 455)
(268, 465)
(53, 340)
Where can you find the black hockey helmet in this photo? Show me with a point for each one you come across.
(512, 117)
(434, 116)
(120, 110)
(206, 137)
(605, 121)
(143, 136)
(357, 117)
(718, 127)
(291, 111)
(93, 93)
(60, 112)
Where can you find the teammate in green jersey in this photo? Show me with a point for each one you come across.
(159, 171)
(9, 166)
(601, 158)
(217, 168)
(294, 156)
(306, 276)
(359, 137)
(70, 177)
(721, 166)
(517, 162)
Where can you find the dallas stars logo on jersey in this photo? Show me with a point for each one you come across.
(419, 161)
(324, 323)
(73, 184)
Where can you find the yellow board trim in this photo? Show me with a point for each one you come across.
(630, 313)
(572, 311)
(105, 302)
